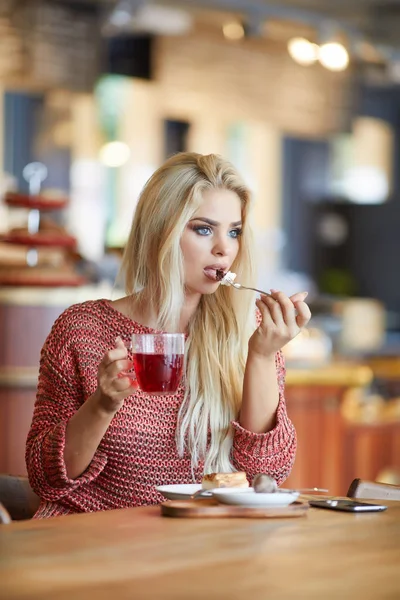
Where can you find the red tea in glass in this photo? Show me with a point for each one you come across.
(158, 373)
(158, 361)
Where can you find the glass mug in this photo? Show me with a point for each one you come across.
(158, 361)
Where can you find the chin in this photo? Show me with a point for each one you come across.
(205, 289)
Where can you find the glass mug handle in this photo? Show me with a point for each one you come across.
(130, 373)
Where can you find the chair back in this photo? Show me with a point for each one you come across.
(17, 498)
(373, 490)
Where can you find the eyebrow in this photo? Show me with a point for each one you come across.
(215, 223)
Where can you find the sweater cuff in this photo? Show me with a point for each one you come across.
(55, 471)
(265, 444)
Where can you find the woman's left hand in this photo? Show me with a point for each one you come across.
(283, 318)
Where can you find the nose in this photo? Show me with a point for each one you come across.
(221, 246)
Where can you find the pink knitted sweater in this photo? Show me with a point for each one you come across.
(138, 450)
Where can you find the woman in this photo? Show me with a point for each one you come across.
(96, 442)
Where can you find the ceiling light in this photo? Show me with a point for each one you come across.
(163, 20)
(233, 30)
(302, 51)
(114, 154)
(137, 16)
(366, 185)
(120, 17)
(333, 56)
(362, 162)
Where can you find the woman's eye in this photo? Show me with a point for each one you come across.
(202, 230)
(235, 233)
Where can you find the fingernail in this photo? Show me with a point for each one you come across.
(305, 294)
(273, 291)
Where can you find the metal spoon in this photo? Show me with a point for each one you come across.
(201, 494)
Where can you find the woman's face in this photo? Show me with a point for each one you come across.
(211, 240)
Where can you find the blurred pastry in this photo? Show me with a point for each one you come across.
(14, 255)
(40, 202)
(222, 480)
(264, 484)
(41, 238)
(40, 276)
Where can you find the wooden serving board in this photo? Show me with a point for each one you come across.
(206, 508)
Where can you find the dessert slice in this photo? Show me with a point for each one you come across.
(225, 278)
(222, 480)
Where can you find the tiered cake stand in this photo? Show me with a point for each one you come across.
(46, 248)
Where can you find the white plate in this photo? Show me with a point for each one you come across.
(178, 491)
(248, 497)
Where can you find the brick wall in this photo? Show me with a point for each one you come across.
(254, 79)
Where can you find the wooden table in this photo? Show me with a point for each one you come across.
(136, 553)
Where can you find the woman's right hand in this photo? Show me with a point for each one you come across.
(112, 385)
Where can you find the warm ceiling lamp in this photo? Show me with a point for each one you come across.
(302, 51)
(114, 154)
(362, 162)
(233, 30)
(333, 56)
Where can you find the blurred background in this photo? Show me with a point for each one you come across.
(303, 96)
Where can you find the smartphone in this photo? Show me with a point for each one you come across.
(347, 505)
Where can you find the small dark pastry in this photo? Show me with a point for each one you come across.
(264, 484)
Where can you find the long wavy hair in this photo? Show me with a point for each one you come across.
(218, 332)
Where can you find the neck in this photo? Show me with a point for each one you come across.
(147, 318)
(189, 308)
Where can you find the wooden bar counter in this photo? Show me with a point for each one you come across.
(314, 399)
(26, 317)
(333, 449)
(138, 554)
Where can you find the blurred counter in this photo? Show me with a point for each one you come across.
(385, 367)
(344, 428)
(351, 375)
(26, 317)
(58, 296)
(347, 374)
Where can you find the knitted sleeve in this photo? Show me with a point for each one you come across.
(272, 452)
(59, 395)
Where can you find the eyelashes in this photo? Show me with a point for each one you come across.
(205, 230)
(237, 232)
(201, 229)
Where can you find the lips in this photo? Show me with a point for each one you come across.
(211, 271)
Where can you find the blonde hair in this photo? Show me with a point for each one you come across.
(216, 348)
